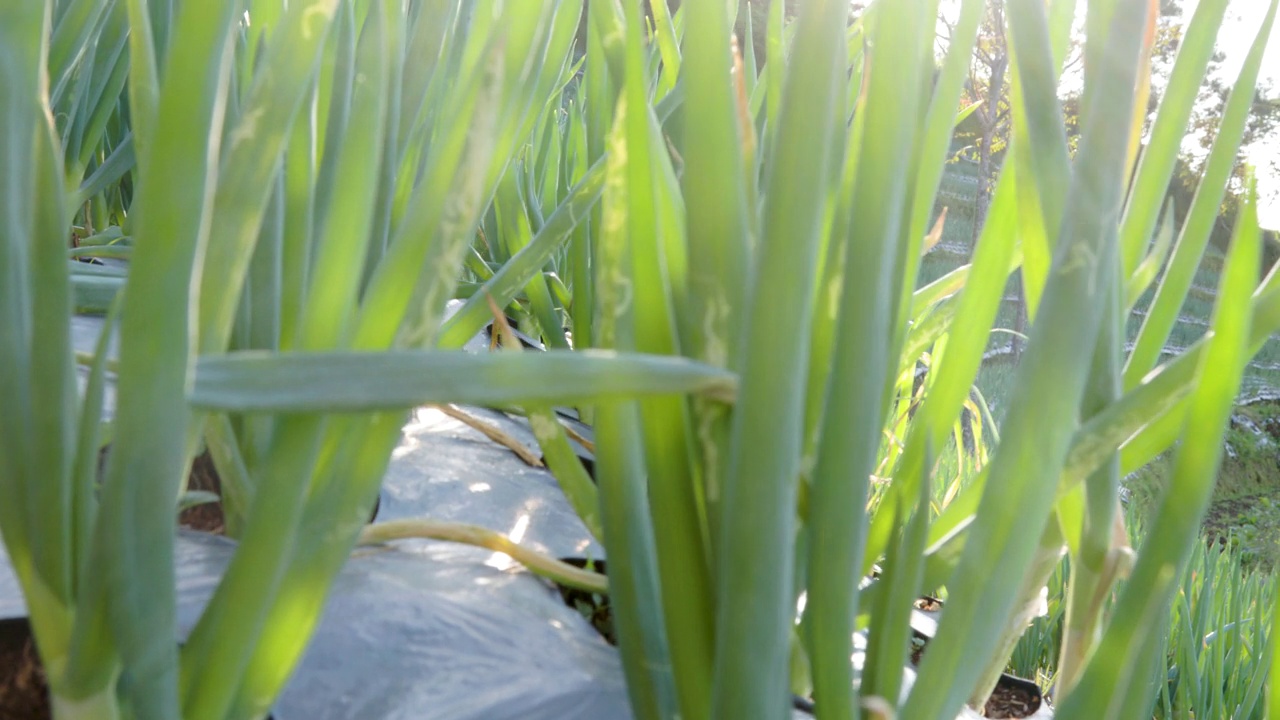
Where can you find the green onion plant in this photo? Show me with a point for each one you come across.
(772, 224)
(1214, 649)
(720, 254)
(292, 185)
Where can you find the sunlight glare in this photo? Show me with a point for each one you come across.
(503, 561)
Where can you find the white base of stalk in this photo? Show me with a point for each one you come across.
(103, 705)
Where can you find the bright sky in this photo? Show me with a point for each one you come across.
(1244, 19)
(1239, 29)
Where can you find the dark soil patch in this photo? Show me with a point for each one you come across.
(1271, 424)
(1011, 700)
(1226, 515)
(917, 649)
(205, 517)
(208, 517)
(593, 607)
(929, 604)
(1249, 525)
(24, 689)
(597, 611)
(24, 693)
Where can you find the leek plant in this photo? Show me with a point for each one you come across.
(772, 224)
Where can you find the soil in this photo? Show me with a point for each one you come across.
(1012, 701)
(594, 608)
(917, 649)
(24, 694)
(928, 604)
(206, 517)
(1249, 525)
(24, 691)
(1225, 516)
